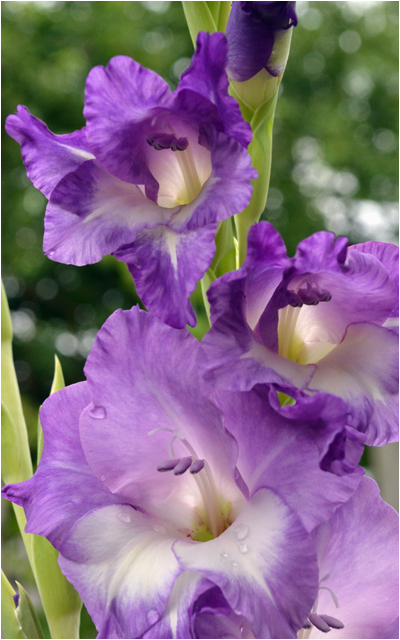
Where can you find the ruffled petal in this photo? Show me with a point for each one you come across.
(91, 214)
(363, 370)
(120, 102)
(47, 157)
(63, 488)
(123, 568)
(282, 449)
(166, 267)
(358, 550)
(207, 76)
(264, 564)
(146, 389)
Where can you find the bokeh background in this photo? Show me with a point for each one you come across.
(335, 165)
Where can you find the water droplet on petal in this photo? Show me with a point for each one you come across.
(97, 412)
(243, 548)
(224, 556)
(241, 531)
(152, 616)
(76, 499)
(124, 517)
(102, 478)
(234, 564)
(159, 528)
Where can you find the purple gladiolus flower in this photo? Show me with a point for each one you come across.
(321, 321)
(164, 509)
(258, 37)
(149, 177)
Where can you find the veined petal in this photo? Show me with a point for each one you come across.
(264, 564)
(358, 552)
(363, 370)
(150, 394)
(207, 76)
(47, 157)
(282, 449)
(119, 100)
(166, 267)
(123, 568)
(91, 214)
(63, 488)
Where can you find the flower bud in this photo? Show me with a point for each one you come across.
(259, 35)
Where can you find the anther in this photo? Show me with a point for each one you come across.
(168, 465)
(307, 624)
(197, 466)
(180, 144)
(334, 623)
(318, 622)
(182, 466)
(293, 299)
(308, 296)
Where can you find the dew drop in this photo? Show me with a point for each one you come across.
(124, 517)
(243, 548)
(152, 616)
(241, 531)
(224, 556)
(234, 564)
(98, 412)
(102, 478)
(159, 528)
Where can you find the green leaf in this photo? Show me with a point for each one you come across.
(57, 384)
(10, 625)
(199, 18)
(206, 280)
(61, 603)
(26, 615)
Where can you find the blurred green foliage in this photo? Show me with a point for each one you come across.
(334, 158)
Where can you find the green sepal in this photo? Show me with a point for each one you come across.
(206, 280)
(26, 615)
(10, 625)
(260, 150)
(57, 384)
(224, 246)
(220, 13)
(199, 18)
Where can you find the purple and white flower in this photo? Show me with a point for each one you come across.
(259, 35)
(150, 176)
(168, 505)
(321, 321)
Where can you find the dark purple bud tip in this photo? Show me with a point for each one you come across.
(293, 299)
(334, 623)
(168, 465)
(307, 624)
(16, 599)
(197, 466)
(182, 466)
(317, 621)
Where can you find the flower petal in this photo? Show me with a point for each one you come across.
(282, 449)
(358, 549)
(264, 565)
(166, 267)
(143, 375)
(91, 214)
(47, 157)
(120, 101)
(123, 568)
(363, 370)
(63, 488)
